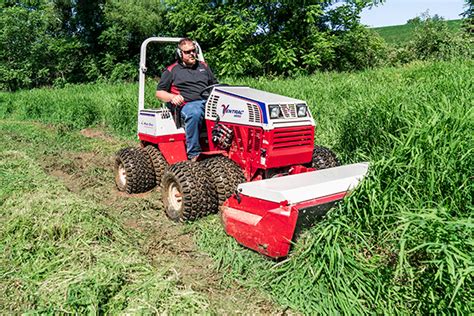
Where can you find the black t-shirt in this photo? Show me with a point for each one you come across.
(187, 81)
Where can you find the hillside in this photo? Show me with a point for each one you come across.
(400, 34)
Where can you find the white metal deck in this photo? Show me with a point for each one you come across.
(306, 186)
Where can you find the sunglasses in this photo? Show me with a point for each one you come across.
(191, 51)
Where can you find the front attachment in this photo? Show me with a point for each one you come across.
(264, 214)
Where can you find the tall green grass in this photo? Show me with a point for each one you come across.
(403, 242)
(78, 106)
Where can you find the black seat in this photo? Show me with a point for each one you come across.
(176, 114)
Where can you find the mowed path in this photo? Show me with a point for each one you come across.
(87, 170)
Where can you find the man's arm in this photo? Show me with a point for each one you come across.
(163, 88)
(175, 99)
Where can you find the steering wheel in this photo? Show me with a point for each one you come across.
(207, 90)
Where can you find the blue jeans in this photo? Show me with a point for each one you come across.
(193, 115)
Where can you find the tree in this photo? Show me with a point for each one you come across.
(267, 37)
(126, 25)
(57, 41)
(414, 21)
(48, 42)
(32, 50)
(468, 15)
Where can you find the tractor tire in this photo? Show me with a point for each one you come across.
(225, 177)
(133, 171)
(157, 161)
(323, 158)
(187, 192)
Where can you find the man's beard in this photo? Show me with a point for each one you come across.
(190, 63)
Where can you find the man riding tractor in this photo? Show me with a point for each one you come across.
(257, 160)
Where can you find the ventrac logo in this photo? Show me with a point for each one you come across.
(234, 112)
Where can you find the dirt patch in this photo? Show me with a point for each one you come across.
(98, 133)
(77, 171)
(67, 180)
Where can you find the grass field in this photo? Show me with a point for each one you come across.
(401, 34)
(402, 243)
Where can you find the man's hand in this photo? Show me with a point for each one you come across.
(174, 99)
(177, 100)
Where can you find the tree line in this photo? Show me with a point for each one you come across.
(56, 42)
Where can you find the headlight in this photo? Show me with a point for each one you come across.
(274, 111)
(302, 110)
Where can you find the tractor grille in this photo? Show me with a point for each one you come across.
(286, 138)
(211, 110)
(288, 110)
(254, 113)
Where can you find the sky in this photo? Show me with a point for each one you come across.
(397, 12)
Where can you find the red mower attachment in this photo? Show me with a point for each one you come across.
(264, 215)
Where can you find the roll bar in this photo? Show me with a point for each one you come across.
(142, 70)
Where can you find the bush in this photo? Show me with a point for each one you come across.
(433, 41)
(359, 49)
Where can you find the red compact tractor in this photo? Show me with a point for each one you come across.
(259, 165)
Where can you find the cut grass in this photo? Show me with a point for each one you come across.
(82, 167)
(64, 254)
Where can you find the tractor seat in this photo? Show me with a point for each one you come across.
(179, 121)
(176, 114)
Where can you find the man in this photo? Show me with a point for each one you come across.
(181, 84)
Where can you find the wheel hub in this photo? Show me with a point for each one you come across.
(175, 197)
(122, 175)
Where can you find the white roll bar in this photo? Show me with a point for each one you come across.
(142, 70)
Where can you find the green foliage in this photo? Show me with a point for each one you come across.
(58, 42)
(432, 38)
(31, 55)
(126, 25)
(468, 22)
(414, 21)
(274, 37)
(234, 29)
(360, 49)
(54, 43)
